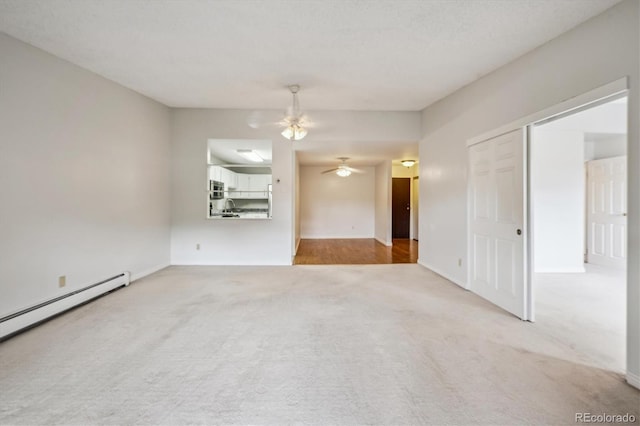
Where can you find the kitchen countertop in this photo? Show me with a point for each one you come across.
(242, 215)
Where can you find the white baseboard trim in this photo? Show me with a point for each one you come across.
(138, 275)
(579, 270)
(442, 274)
(633, 380)
(383, 242)
(335, 237)
(286, 262)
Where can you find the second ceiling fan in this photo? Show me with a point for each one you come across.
(343, 169)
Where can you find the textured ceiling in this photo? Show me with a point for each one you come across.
(391, 55)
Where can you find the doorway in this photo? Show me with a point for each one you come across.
(400, 207)
(583, 324)
(577, 181)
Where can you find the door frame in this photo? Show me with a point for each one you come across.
(410, 231)
(616, 89)
(415, 208)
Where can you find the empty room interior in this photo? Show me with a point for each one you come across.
(276, 212)
(579, 211)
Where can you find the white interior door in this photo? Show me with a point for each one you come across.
(496, 221)
(607, 211)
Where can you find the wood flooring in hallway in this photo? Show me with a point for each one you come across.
(358, 251)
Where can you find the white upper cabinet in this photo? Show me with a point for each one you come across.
(224, 175)
(251, 186)
(229, 178)
(215, 173)
(258, 185)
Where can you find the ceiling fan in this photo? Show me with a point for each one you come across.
(343, 170)
(295, 123)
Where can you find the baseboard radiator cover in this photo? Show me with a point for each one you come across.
(26, 318)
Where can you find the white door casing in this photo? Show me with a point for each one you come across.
(607, 212)
(497, 234)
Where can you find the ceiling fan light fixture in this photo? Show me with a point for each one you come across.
(408, 163)
(294, 132)
(249, 154)
(343, 172)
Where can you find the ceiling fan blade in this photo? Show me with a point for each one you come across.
(262, 118)
(330, 171)
(285, 122)
(307, 122)
(351, 169)
(258, 119)
(255, 119)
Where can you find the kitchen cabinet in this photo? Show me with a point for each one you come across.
(242, 186)
(251, 186)
(259, 185)
(215, 173)
(224, 175)
(229, 178)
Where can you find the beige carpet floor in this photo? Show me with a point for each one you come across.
(326, 345)
(587, 311)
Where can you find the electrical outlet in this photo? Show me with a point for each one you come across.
(459, 262)
(198, 246)
(62, 281)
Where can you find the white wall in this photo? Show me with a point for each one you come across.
(402, 171)
(335, 207)
(84, 178)
(382, 231)
(601, 146)
(609, 117)
(244, 242)
(604, 49)
(225, 242)
(557, 180)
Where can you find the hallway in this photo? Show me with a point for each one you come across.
(359, 251)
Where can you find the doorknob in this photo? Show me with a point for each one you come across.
(519, 231)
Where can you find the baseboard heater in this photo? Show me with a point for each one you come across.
(29, 317)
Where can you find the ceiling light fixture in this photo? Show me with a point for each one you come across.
(408, 163)
(250, 155)
(294, 132)
(343, 172)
